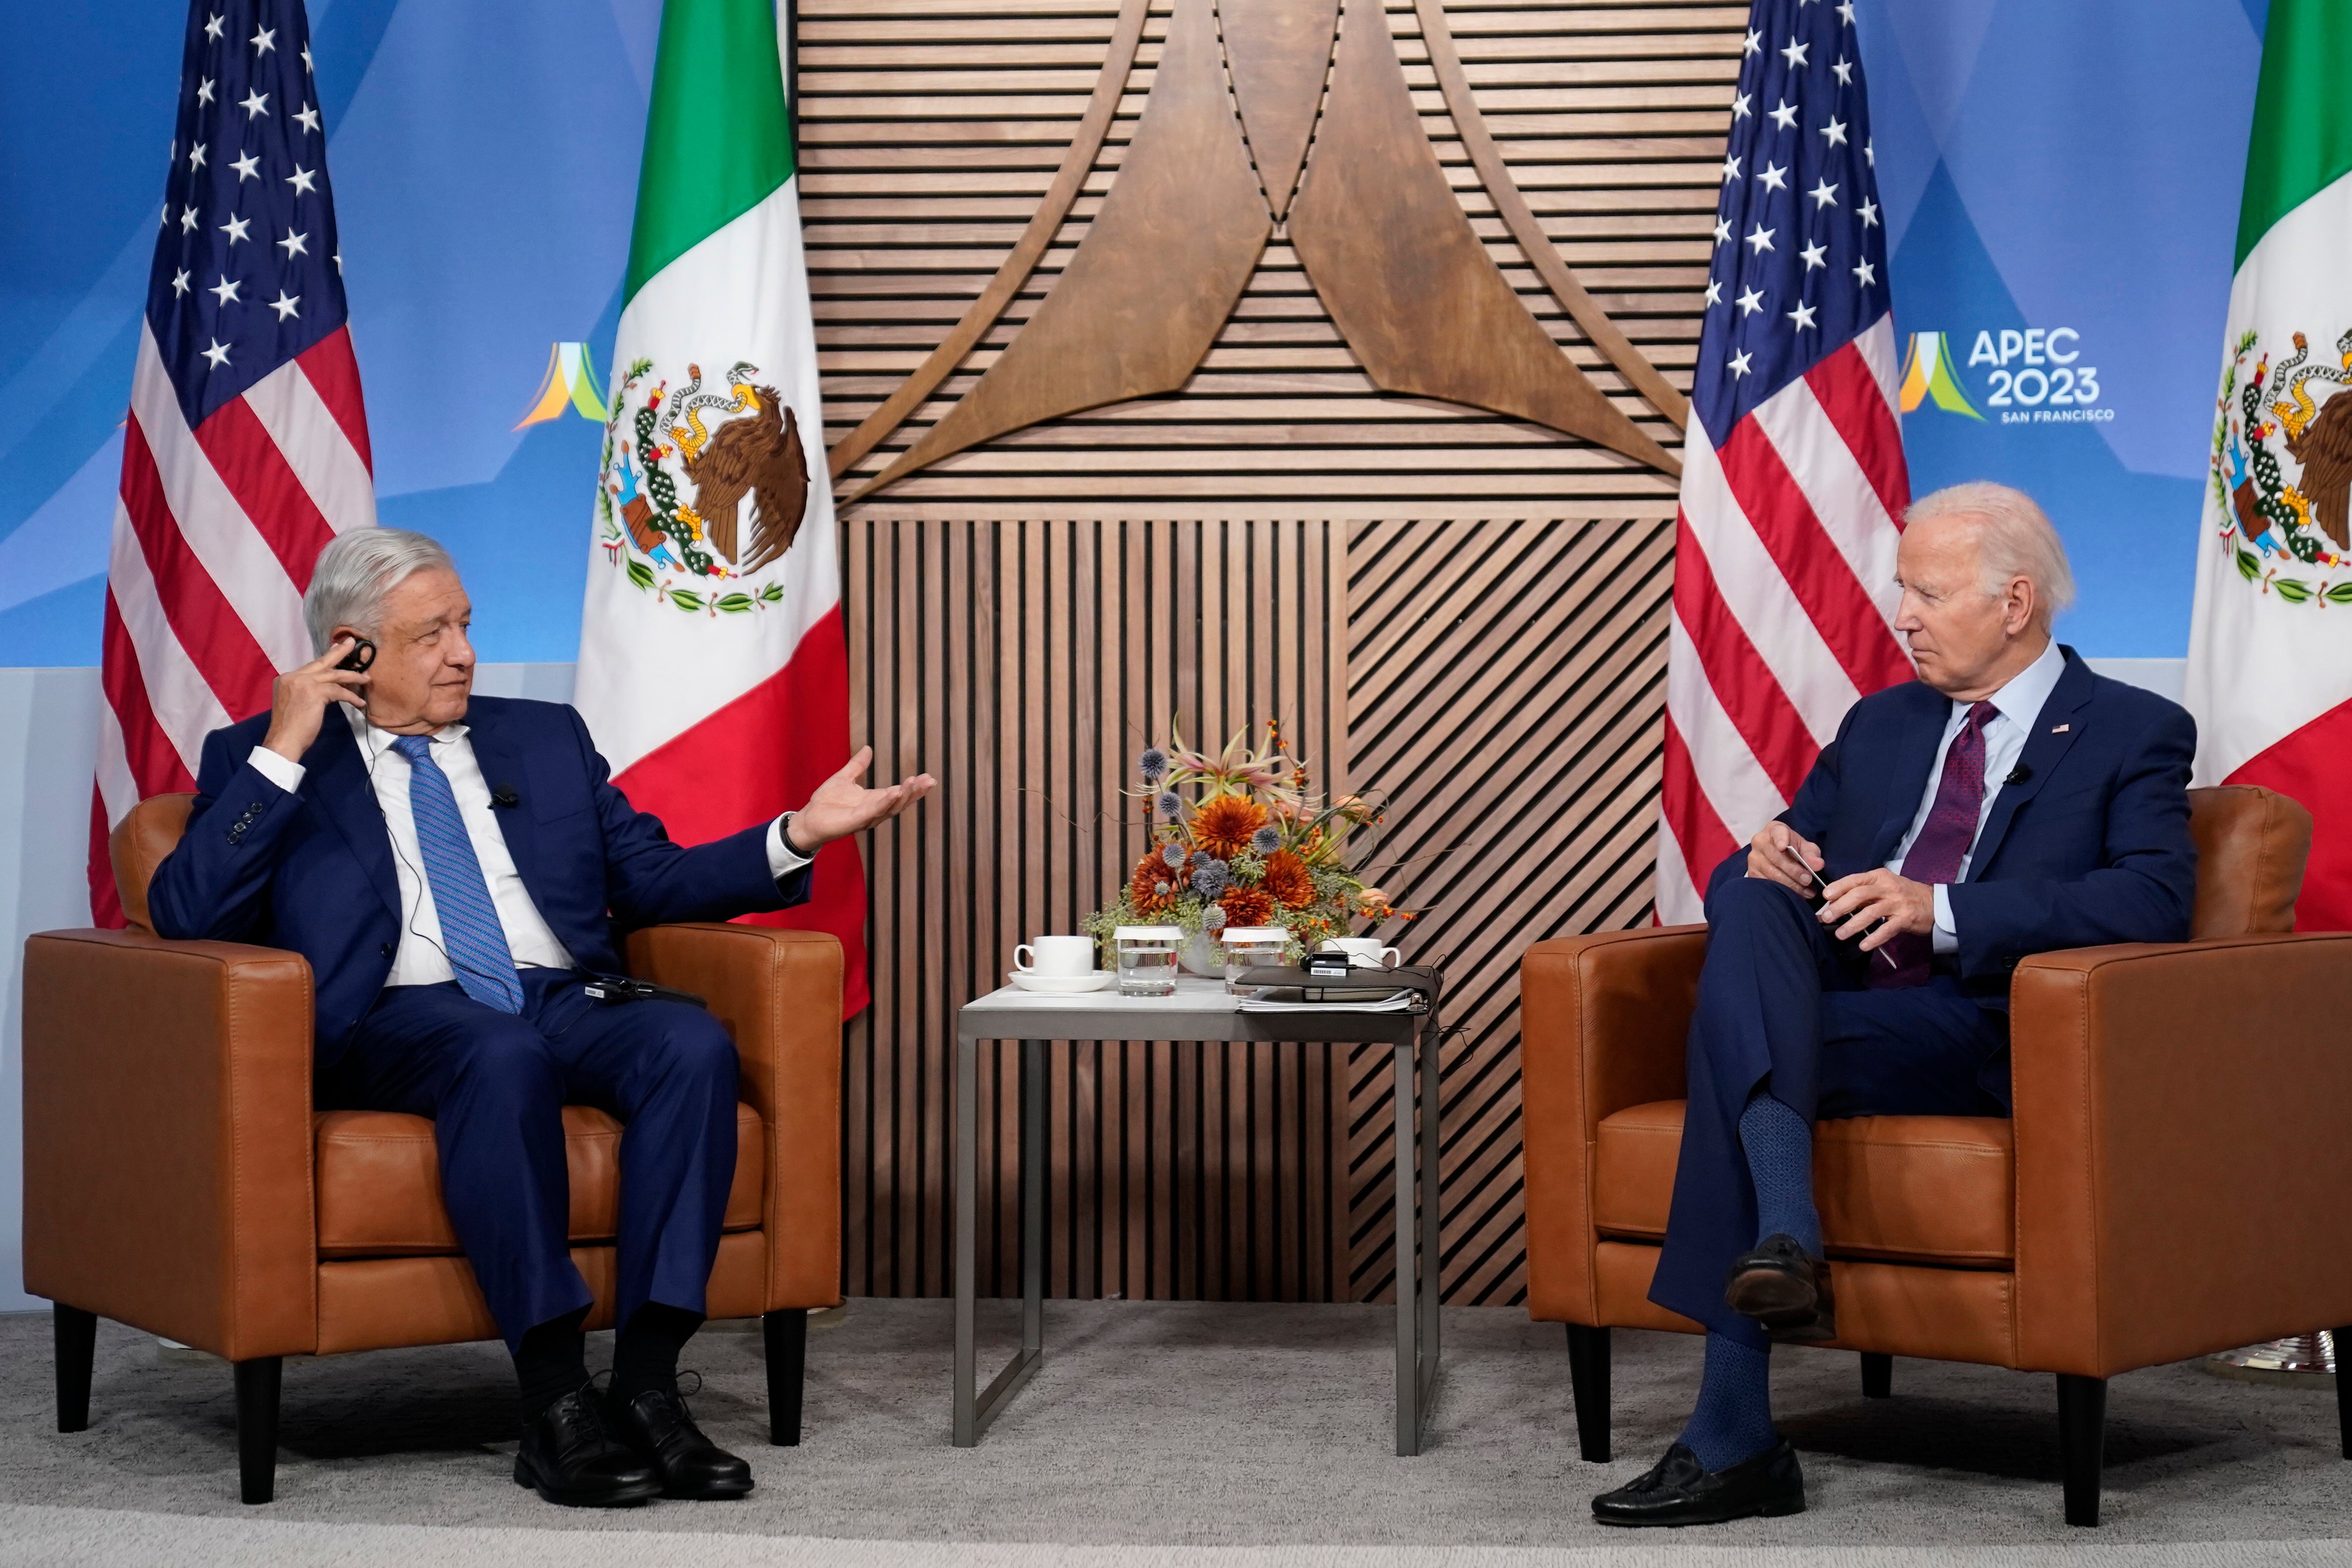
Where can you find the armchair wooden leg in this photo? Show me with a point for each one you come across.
(77, 1338)
(2082, 1443)
(256, 1426)
(2343, 1392)
(786, 1335)
(1588, 1376)
(1877, 1376)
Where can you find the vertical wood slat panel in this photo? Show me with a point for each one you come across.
(1026, 662)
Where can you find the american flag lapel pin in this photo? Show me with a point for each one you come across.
(2061, 728)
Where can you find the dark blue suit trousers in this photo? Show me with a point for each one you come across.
(2086, 842)
(495, 1085)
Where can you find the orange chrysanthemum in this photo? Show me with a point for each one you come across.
(1151, 875)
(1224, 823)
(1286, 880)
(1246, 906)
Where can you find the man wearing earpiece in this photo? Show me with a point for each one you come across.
(454, 869)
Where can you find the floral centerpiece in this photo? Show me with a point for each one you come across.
(1236, 839)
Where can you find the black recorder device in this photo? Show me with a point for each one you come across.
(614, 989)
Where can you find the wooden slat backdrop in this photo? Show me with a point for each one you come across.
(1507, 679)
(931, 127)
(1028, 663)
(1512, 605)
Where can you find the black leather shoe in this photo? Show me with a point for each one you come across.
(1787, 1293)
(656, 1425)
(1677, 1490)
(568, 1455)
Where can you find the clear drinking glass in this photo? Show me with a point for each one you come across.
(1252, 947)
(1146, 960)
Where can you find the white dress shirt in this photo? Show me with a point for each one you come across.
(421, 959)
(2017, 705)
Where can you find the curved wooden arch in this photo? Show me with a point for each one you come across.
(1093, 126)
(1445, 60)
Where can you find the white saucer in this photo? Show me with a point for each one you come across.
(1065, 984)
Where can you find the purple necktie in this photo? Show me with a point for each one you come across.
(1936, 853)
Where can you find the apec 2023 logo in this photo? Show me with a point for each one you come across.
(2034, 376)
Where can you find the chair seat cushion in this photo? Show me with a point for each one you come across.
(380, 1181)
(1918, 1189)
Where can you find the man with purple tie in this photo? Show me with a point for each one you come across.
(2009, 802)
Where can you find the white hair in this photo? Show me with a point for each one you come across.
(356, 571)
(2014, 540)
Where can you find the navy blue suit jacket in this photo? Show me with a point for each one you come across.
(312, 870)
(2091, 847)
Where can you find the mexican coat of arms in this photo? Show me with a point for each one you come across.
(2279, 523)
(737, 453)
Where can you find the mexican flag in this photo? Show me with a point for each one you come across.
(2270, 647)
(713, 671)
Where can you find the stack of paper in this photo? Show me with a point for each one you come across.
(1289, 999)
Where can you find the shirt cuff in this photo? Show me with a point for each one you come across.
(286, 776)
(1946, 938)
(782, 858)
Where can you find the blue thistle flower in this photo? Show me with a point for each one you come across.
(1266, 840)
(1210, 880)
(1170, 804)
(1173, 854)
(1214, 918)
(1154, 763)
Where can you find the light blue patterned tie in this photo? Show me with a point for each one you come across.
(477, 943)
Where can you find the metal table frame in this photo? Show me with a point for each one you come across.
(1201, 1011)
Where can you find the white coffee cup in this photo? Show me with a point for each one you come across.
(1055, 955)
(1363, 952)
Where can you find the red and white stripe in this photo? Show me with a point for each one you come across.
(215, 529)
(1784, 600)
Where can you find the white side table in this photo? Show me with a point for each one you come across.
(1199, 1010)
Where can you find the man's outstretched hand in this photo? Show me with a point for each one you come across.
(842, 806)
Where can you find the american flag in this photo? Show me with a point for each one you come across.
(1794, 478)
(246, 446)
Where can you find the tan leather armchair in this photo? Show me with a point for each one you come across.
(2170, 1100)
(177, 1178)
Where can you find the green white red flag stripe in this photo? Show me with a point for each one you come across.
(2270, 649)
(713, 668)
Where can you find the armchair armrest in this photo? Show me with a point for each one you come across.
(1603, 1022)
(167, 1136)
(2182, 1154)
(779, 992)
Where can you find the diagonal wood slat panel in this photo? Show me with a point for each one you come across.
(1506, 682)
(1027, 664)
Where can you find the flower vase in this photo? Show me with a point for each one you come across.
(1201, 954)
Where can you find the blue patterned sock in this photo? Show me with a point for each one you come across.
(1779, 1143)
(1733, 1419)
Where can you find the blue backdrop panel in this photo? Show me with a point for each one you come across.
(2070, 167)
(485, 160)
(2067, 166)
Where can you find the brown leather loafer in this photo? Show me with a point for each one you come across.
(1787, 1293)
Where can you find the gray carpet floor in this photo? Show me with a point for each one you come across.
(1163, 1428)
